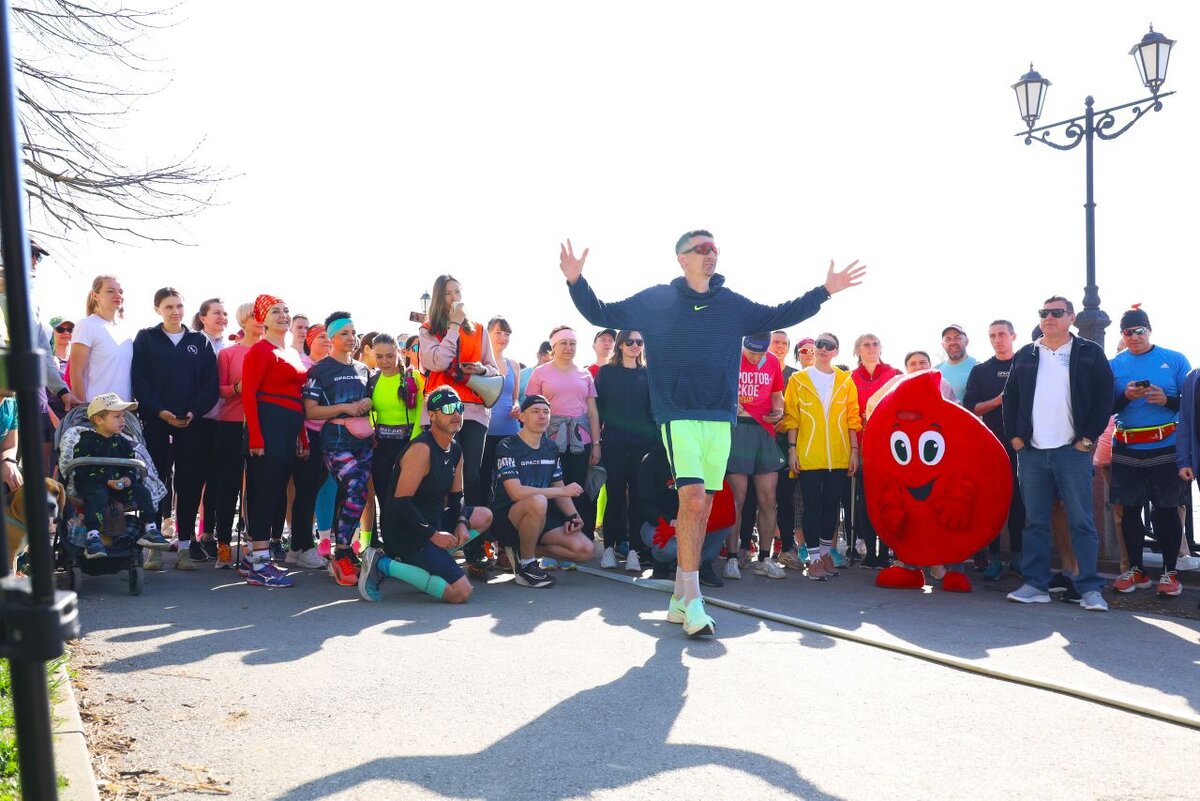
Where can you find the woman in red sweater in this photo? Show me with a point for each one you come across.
(272, 377)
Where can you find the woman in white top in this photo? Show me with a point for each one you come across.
(102, 351)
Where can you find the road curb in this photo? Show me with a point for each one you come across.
(71, 757)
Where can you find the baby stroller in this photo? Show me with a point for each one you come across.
(121, 527)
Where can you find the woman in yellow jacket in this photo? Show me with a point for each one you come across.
(822, 421)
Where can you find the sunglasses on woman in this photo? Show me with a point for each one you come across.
(64, 329)
(1055, 313)
(704, 248)
(825, 344)
(635, 342)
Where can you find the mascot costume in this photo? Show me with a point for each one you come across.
(937, 483)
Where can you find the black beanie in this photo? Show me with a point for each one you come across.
(1133, 318)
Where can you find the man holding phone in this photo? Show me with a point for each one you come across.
(1148, 382)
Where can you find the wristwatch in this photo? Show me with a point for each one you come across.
(1087, 444)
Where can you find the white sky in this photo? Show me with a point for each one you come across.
(379, 144)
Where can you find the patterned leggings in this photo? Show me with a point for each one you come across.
(351, 470)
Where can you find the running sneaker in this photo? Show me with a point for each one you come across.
(816, 571)
(153, 538)
(566, 565)
(153, 560)
(633, 563)
(608, 560)
(268, 575)
(732, 571)
(307, 559)
(743, 561)
(828, 566)
(224, 559)
(1029, 594)
(278, 552)
(981, 561)
(791, 560)
(1132, 579)
(532, 575)
(344, 571)
(994, 569)
(675, 613)
(504, 561)
(325, 548)
(94, 547)
(197, 552)
(1060, 582)
(1093, 601)
(768, 568)
(696, 622)
(370, 577)
(184, 560)
(1169, 584)
(549, 564)
(210, 546)
(245, 567)
(836, 557)
(622, 549)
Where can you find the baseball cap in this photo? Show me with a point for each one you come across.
(55, 322)
(757, 342)
(440, 397)
(612, 333)
(954, 327)
(109, 402)
(533, 400)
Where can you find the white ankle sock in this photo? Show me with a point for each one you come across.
(691, 584)
(678, 583)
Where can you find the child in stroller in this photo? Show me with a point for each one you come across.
(104, 465)
(99, 484)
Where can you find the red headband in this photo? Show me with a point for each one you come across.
(314, 331)
(262, 305)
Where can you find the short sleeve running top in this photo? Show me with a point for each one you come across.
(331, 382)
(534, 467)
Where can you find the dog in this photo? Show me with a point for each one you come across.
(14, 516)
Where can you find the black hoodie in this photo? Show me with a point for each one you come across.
(179, 378)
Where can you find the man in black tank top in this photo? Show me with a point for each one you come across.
(425, 520)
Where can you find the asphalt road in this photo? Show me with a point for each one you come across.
(584, 691)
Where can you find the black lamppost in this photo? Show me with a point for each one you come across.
(425, 302)
(1151, 55)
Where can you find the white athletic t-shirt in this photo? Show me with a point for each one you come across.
(108, 363)
(824, 384)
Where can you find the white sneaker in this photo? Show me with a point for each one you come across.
(731, 569)
(608, 561)
(152, 560)
(632, 563)
(308, 559)
(769, 568)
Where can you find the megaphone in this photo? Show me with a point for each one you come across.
(487, 387)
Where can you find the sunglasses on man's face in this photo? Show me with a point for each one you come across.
(1140, 331)
(454, 407)
(825, 344)
(64, 329)
(704, 248)
(1055, 313)
(635, 342)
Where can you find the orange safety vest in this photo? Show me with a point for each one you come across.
(470, 349)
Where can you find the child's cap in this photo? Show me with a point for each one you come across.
(109, 402)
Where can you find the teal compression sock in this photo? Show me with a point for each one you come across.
(413, 576)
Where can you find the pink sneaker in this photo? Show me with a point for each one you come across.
(325, 548)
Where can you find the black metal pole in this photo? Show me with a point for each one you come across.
(31, 700)
(1090, 321)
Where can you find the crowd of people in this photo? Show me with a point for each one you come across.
(699, 442)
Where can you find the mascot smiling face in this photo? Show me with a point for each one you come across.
(938, 482)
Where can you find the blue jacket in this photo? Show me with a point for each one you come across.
(1187, 445)
(179, 378)
(1091, 391)
(693, 340)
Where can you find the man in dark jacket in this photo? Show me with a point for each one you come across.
(1057, 402)
(694, 327)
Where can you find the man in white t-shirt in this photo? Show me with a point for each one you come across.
(1057, 401)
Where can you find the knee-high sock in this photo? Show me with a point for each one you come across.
(413, 575)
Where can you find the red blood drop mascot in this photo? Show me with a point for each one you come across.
(937, 481)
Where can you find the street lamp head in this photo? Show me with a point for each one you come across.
(425, 302)
(1151, 56)
(1031, 93)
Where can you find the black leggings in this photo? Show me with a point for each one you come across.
(383, 467)
(307, 477)
(178, 450)
(575, 470)
(622, 462)
(1168, 530)
(207, 453)
(1016, 516)
(823, 491)
(877, 549)
(267, 475)
(471, 439)
(230, 465)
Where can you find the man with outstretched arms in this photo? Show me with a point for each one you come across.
(694, 327)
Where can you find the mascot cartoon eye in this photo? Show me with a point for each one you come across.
(901, 447)
(931, 447)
